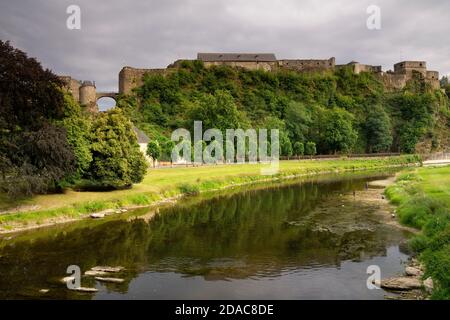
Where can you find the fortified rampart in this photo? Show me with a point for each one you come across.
(357, 67)
(307, 65)
(130, 78)
(407, 70)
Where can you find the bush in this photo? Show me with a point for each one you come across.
(34, 152)
(117, 159)
(310, 149)
(299, 148)
(154, 150)
(189, 189)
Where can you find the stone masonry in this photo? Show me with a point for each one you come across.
(130, 78)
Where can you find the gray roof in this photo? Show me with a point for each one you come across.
(141, 136)
(210, 57)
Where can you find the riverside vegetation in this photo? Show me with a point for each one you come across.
(330, 112)
(423, 200)
(51, 148)
(160, 184)
(49, 143)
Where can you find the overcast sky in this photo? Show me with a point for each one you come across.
(154, 33)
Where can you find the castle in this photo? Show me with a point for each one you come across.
(129, 78)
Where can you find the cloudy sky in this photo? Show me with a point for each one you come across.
(154, 33)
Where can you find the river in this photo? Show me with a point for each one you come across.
(309, 239)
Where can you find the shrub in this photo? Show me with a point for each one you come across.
(189, 189)
(299, 148)
(310, 149)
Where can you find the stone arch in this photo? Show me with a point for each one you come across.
(106, 104)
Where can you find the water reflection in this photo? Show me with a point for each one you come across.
(308, 239)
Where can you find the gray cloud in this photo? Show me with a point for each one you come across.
(155, 33)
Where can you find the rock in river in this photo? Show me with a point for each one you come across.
(84, 289)
(94, 273)
(428, 284)
(113, 280)
(413, 272)
(107, 269)
(401, 283)
(97, 215)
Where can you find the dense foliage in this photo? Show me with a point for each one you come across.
(117, 161)
(423, 202)
(339, 111)
(34, 152)
(48, 142)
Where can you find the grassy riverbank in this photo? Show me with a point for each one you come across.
(423, 199)
(160, 184)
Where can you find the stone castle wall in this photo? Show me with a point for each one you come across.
(130, 78)
(249, 65)
(307, 65)
(393, 81)
(72, 85)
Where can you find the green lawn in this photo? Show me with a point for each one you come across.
(166, 182)
(436, 183)
(423, 199)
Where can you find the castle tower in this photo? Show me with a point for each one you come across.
(88, 96)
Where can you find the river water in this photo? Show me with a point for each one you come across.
(296, 240)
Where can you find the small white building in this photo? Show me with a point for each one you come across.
(143, 141)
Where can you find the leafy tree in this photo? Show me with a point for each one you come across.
(414, 113)
(216, 111)
(78, 127)
(117, 159)
(154, 150)
(166, 148)
(298, 121)
(34, 152)
(299, 148)
(338, 133)
(286, 145)
(310, 148)
(378, 131)
(409, 136)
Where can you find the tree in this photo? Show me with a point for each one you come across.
(338, 133)
(409, 136)
(154, 150)
(299, 148)
(298, 121)
(216, 111)
(34, 152)
(415, 114)
(378, 131)
(78, 127)
(166, 148)
(286, 145)
(117, 159)
(310, 149)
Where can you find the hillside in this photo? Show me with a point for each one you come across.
(339, 111)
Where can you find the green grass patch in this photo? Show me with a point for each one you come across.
(168, 182)
(423, 199)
